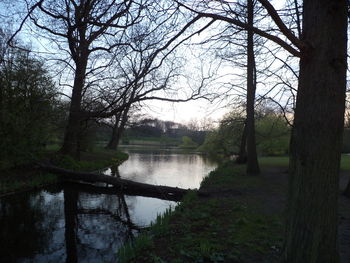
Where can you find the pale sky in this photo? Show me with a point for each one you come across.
(178, 112)
(183, 112)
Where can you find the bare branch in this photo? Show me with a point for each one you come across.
(258, 31)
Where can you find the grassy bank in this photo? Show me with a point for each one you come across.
(240, 221)
(30, 177)
(283, 161)
(158, 141)
(235, 224)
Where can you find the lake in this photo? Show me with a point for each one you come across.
(71, 223)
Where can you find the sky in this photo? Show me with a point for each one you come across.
(182, 112)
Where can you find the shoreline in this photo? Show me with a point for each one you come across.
(23, 179)
(242, 219)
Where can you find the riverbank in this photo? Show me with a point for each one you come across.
(31, 177)
(242, 219)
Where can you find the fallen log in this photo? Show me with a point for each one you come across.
(113, 190)
(121, 184)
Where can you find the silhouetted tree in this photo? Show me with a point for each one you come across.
(311, 234)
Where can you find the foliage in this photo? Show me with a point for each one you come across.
(130, 251)
(27, 177)
(167, 132)
(272, 135)
(37, 180)
(92, 163)
(27, 108)
(226, 138)
(187, 143)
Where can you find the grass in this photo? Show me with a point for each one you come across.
(144, 140)
(223, 228)
(274, 161)
(140, 250)
(283, 161)
(345, 162)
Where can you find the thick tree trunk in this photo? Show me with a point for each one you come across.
(71, 137)
(113, 143)
(252, 158)
(347, 190)
(242, 155)
(311, 233)
(1, 103)
(118, 129)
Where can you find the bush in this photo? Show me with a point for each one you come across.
(188, 143)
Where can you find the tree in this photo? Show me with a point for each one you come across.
(252, 158)
(81, 25)
(188, 143)
(317, 134)
(28, 100)
(311, 232)
(272, 134)
(96, 34)
(239, 48)
(118, 127)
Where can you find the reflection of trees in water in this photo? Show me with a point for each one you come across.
(43, 227)
(176, 159)
(77, 222)
(96, 225)
(70, 216)
(22, 232)
(173, 169)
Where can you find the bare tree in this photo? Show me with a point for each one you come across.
(83, 29)
(93, 35)
(252, 158)
(311, 234)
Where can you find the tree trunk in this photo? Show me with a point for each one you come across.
(71, 137)
(118, 129)
(122, 126)
(347, 190)
(242, 155)
(252, 159)
(311, 232)
(113, 143)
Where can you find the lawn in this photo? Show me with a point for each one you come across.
(283, 161)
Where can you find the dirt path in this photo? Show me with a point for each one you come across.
(273, 199)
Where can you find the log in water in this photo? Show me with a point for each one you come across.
(166, 192)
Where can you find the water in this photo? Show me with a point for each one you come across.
(87, 224)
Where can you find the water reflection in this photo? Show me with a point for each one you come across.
(21, 218)
(74, 223)
(163, 168)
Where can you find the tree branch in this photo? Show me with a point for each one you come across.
(278, 21)
(245, 26)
